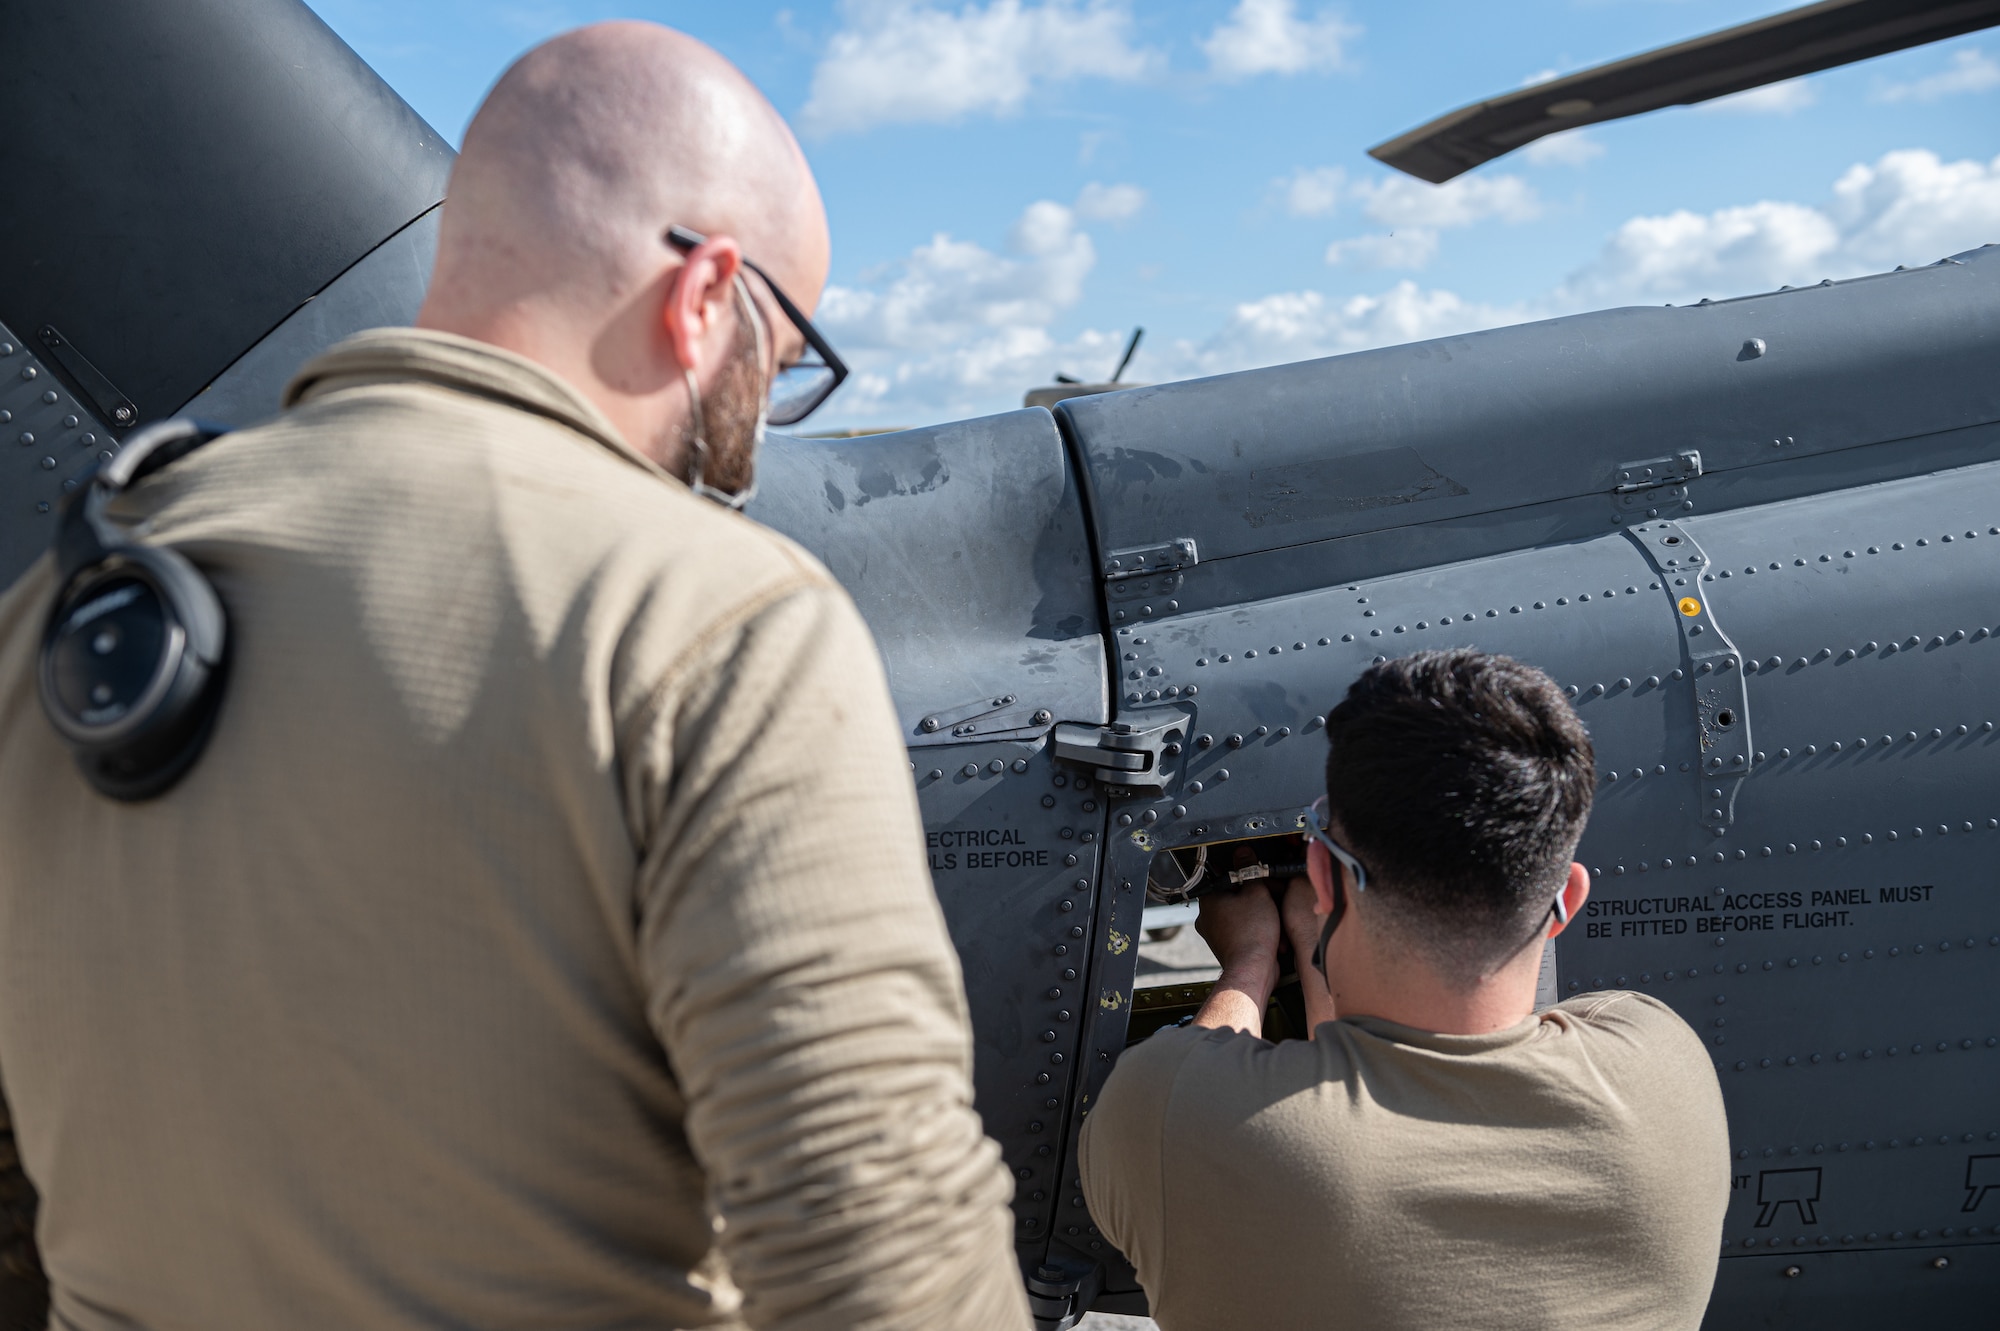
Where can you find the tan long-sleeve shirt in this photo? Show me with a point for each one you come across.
(543, 939)
(1566, 1174)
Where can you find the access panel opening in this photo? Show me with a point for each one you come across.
(1177, 971)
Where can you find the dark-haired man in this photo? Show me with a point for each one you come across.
(1438, 1153)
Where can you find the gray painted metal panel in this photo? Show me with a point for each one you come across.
(1492, 421)
(181, 177)
(385, 288)
(1814, 1287)
(1014, 853)
(1840, 948)
(1270, 573)
(965, 548)
(48, 438)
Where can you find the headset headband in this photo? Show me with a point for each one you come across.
(87, 536)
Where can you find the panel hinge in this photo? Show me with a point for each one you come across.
(1655, 486)
(1682, 466)
(1145, 559)
(1721, 690)
(1004, 717)
(1126, 755)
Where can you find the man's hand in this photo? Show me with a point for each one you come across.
(1242, 928)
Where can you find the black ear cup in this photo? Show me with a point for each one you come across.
(133, 661)
(137, 645)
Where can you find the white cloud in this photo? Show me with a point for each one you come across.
(1110, 203)
(956, 329)
(908, 61)
(1299, 325)
(1400, 200)
(1970, 71)
(1773, 99)
(1908, 207)
(1412, 247)
(1405, 201)
(1269, 37)
(1313, 191)
(1728, 251)
(1541, 76)
(950, 288)
(1413, 210)
(1572, 147)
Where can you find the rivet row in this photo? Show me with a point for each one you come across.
(1891, 1143)
(1826, 1240)
(1751, 570)
(1699, 971)
(1893, 835)
(1915, 1049)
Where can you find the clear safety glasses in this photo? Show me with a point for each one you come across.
(1312, 822)
(798, 389)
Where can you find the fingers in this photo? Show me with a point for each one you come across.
(1239, 924)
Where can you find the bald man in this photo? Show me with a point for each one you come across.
(544, 937)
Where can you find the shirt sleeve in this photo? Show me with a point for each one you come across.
(23, 1287)
(1122, 1148)
(803, 984)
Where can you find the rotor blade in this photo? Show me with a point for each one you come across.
(1769, 50)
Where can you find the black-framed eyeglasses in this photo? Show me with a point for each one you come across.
(798, 389)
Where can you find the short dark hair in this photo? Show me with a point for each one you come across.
(1462, 782)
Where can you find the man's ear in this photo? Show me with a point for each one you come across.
(1575, 892)
(699, 298)
(1320, 868)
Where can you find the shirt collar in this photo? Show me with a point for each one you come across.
(401, 355)
(1525, 1029)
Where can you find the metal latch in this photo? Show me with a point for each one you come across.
(1059, 1295)
(1126, 755)
(1145, 559)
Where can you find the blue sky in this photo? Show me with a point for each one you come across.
(1014, 184)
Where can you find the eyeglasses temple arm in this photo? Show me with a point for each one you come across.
(803, 324)
(686, 238)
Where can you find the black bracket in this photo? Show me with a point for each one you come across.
(111, 406)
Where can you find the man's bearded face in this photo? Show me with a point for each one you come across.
(730, 410)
